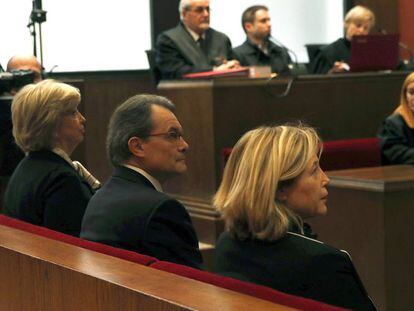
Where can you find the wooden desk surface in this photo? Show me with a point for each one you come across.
(379, 179)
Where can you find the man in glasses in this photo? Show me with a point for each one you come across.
(146, 146)
(193, 46)
(258, 49)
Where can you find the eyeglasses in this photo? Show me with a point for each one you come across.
(199, 9)
(171, 135)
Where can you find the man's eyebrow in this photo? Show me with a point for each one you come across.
(175, 128)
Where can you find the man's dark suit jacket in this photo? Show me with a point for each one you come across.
(249, 54)
(340, 50)
(396, 141)
(128, 212)
(46, 190)
(295, 265)
(177, 53)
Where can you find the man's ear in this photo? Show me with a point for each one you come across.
(136, 146)
(249, 27)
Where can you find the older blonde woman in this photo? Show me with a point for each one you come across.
(397, 131)
(334, 57)
(272, 181)
(47, 188)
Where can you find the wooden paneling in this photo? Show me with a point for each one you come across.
(37, 273)
(406, 24)
(368, 215)
(215, 114)
(386, 13)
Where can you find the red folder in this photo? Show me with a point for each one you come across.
(239, 72)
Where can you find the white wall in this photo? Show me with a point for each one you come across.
(80, 35)
(87, 35)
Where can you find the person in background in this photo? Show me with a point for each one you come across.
(47, 188)
(396, 133)
(193, 46)
(258, 50)
(334, 58)
(10, 154)
(145, 144)
(26, 62)
(271, 183)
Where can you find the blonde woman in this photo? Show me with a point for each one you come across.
(334, 58)
(272, 181)
(47, 188)
(397, 131)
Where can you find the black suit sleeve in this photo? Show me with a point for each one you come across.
(338, 282)
(395, 147)
(170, 235)
(240, 57)
(65, 203)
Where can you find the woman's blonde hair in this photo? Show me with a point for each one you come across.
(37, 110)
(263, 161)
(403, 109)
(359, 13)
(403, 95)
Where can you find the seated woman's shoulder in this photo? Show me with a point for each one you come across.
(312, 247)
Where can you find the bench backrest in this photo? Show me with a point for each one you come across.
(247, 288)
(94, 246)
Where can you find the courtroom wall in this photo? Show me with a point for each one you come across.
(406, 23)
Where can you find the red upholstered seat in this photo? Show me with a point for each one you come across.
(343, 154)
(94, 246)
(350, 153)
(247, 288)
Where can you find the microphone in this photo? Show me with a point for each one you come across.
(288, 51)
(37, 4)
(37, 15)
(294, 67)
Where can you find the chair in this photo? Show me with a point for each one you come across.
(313, 50)
(155, 72)
(350, 153)
(341, 154)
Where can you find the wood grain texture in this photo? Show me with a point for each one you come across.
(372, 224)
(37, 273)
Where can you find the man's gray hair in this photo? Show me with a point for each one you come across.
(131, 118)
(184, 4)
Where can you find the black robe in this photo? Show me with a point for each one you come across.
(396, 141)
(340, 50)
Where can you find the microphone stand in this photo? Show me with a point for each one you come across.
(291, 77)
(37, 16)
(288, 51)
(408, 64)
